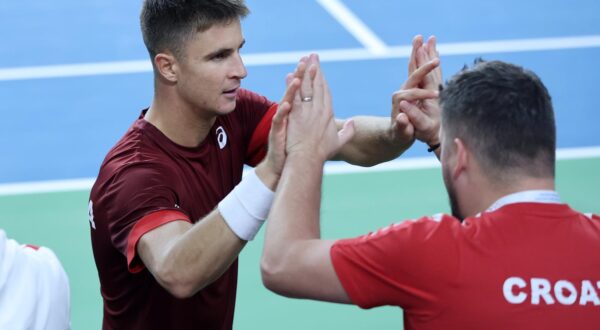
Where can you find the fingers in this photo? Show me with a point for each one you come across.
(430, 52)
(433, 53)
(290, 92)
(283, 111)
(414, 114)
(288, 78)
(423, 56)
(414, 94)
(292, 87)
(416, 44)
(403, 126)
(306, 89)
(417, 77)
(431, 47)
(319, 88)
(426, 127)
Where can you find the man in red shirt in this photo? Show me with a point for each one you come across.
(167, 219)
(512, 255)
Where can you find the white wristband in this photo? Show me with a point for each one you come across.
(246, 207)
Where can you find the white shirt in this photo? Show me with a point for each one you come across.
(34, 288)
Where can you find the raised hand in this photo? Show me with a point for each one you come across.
(272, 166)
(312, 130)
(417, 98)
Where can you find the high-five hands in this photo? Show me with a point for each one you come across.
(311, 128)
(417, 98)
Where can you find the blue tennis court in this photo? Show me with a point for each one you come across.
(59, 124)
(75, 74)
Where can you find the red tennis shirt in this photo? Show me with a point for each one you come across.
(525, 265)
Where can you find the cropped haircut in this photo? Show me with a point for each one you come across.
(167, 25)
(504, 113)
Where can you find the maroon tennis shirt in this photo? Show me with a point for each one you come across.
(145, 181)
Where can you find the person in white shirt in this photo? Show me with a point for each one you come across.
(34, 288)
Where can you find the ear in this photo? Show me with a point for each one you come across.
(166, 66)
(462, 156)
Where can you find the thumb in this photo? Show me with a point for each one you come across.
(347, 132)
(288, 79)
(403, 126)
(281, 114)
(279, 120)
(416, 117)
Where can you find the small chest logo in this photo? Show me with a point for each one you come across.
(221, 137)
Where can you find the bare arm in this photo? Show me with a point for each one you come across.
(376, 140)
(184, 258)
(295, 261)
(380, 139)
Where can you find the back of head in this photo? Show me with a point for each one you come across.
(167, 25)
(504, 114)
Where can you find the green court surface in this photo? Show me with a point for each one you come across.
(353, 204)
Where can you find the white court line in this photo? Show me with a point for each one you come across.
(21, 188)
(354, 25)
(331, 168)
(326, 55)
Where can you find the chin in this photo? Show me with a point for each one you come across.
(226, 108)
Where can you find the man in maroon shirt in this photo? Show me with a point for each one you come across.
(167, 219)
(512, 255)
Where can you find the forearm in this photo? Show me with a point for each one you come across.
(184, 258)
(294, 216)
(294, 258)
(198, 256)
(374, 142)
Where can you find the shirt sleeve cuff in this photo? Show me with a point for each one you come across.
(144, 225)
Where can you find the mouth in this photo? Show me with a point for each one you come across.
(231, 92)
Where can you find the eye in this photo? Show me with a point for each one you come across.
(220, 55)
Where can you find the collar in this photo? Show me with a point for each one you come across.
(531, 196)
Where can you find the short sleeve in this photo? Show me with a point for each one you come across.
(138, 200)
(406, 264)
(257, 113)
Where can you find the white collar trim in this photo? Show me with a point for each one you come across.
(532, 196)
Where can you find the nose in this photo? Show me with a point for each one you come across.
(239, 69)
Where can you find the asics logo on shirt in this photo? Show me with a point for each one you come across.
(221, 137)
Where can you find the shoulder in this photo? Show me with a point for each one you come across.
(592, 216)
(434, 229)
(30, 259)
(36, 284)
(129, 171)
(142, 149)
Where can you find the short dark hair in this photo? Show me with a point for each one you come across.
(168, 24)
(504, 113)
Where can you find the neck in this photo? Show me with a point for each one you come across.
(483, 197)
(177, 121)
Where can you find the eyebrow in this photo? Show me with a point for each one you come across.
(224, 50)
